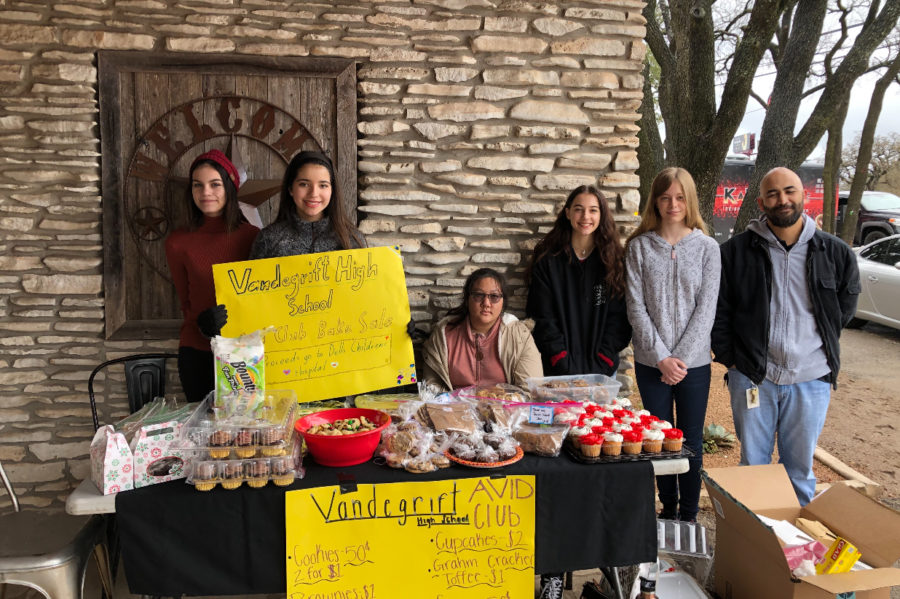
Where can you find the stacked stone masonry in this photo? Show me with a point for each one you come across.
(475, 119)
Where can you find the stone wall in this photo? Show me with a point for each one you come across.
(476, 117)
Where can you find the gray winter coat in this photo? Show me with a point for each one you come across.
(672, 294)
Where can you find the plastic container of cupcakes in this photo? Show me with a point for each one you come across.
(241, 426)
(598, 388)
(282, 470)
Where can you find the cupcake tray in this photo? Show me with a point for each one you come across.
(231, 474)
(576, 455)
(241, 426)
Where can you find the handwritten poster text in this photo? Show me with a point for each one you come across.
(338, 319)
(468, 539)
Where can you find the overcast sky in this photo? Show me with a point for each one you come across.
(889, 122)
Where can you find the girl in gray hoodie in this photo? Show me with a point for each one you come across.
(672, 275)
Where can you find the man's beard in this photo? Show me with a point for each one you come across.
(780, 219)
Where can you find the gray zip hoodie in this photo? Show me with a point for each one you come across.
(672, 295)
(796, 353)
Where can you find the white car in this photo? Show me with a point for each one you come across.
(879, 276)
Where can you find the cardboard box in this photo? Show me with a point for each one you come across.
(112, 463)
(749, 562)
(156, 456)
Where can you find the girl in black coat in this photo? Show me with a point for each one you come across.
(576, 294)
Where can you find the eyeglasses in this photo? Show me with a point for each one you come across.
(479, 297)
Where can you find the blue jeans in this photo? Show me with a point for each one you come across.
(795, 413)
(684, 405)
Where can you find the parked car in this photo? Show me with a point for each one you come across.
(879, 215)
(879, 276)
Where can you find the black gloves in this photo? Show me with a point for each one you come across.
(414, 333)
(211, 320)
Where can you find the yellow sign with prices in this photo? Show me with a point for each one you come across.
(467, 538)
(338, 319)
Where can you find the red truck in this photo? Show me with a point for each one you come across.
(733, 185)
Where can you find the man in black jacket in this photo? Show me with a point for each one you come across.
(787, 290)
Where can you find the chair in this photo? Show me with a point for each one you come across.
(31, 553)
(145, 379)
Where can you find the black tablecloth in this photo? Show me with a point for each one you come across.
(176, 540)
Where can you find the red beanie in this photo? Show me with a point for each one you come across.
(222, 160)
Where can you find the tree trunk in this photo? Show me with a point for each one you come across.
(865, 150)
(776, 146)
(777, 134)
(830, 175)
(698, 135)
(650, 148)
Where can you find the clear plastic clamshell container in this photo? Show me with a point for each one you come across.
(282, 470)
(241, 426)
(598, 388)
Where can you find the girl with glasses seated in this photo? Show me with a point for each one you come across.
(478, 343)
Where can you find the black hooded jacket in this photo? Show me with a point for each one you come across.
(574, 312)
(740, 335)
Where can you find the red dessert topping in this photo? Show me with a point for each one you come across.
(632, 436)
(590, 439)
(673, 433)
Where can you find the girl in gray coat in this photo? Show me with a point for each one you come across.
(672, 274)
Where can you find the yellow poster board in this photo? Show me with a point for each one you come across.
(339, 319)
(452, 539)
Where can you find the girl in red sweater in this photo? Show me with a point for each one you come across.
(217, 233)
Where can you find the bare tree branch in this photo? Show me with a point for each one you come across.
(840, 84)
(829, 57)
(864, 157)
(759, 99)
(655, 38)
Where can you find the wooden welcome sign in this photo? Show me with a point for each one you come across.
(338, 319)
(159, 111)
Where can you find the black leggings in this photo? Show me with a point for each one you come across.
(195, 369)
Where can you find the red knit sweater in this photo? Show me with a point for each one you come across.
(191, 255)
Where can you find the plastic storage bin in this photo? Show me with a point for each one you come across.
(598, 388)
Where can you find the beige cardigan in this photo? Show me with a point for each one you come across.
(519, 355)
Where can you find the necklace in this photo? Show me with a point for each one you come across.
(582, 253)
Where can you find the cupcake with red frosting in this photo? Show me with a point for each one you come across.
(591, 444)
(622, 402)
(653, 440)
(633, 442)
(648, 419)
(612, 443)
(576, 432)
(674, 439)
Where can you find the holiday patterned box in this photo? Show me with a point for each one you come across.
(156, 459)
(112, 463)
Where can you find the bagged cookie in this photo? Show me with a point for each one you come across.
(457, 417)
(541, 439)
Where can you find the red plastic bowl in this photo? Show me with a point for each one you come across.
(342, 450)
